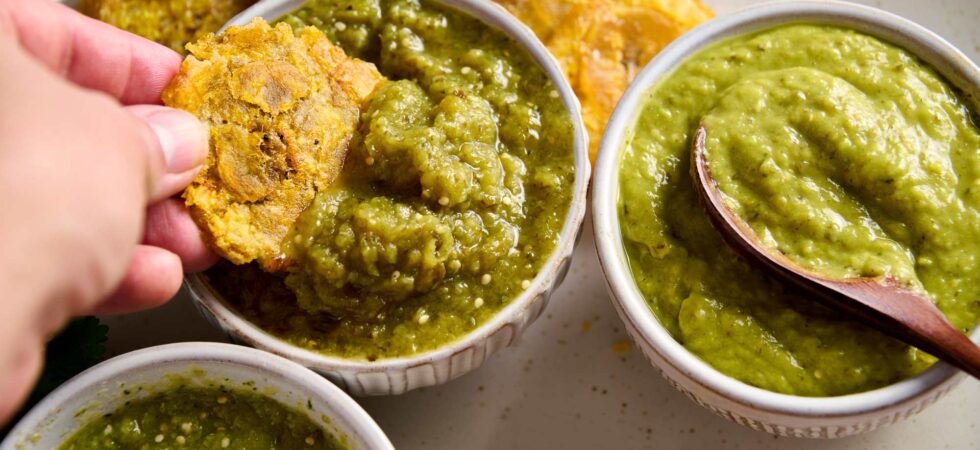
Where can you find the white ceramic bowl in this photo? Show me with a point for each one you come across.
(397, 375)
(98, 391)
(747, 405)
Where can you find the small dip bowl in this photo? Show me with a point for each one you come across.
(99, 390)
(393, 376)
(781, 414)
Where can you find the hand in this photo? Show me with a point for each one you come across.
(84, 149)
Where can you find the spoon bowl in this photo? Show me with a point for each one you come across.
(882, 302)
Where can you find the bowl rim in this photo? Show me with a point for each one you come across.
(361, 424)
(926, 45)
(498, 18)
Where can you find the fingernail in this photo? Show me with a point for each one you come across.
(183, 138)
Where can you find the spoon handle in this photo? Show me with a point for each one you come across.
(881, 303)
(907, 315)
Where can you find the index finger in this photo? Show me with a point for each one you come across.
(90, 53)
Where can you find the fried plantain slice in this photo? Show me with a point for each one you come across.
(282, 109)
(603, 44)
(173, 23)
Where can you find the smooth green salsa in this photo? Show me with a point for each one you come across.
(202, 418)
(454, 192)
(846, 153)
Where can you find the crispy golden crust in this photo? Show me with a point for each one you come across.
(173, 23)
(602, 44)
(282, 110)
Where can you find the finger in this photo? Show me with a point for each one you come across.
(90, 53)
(16, 383)
(173, 183)
(169, 226)
(153, 277)
(183, 147)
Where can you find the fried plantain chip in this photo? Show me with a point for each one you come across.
(282, 109)
(603, 44)
(173, 23)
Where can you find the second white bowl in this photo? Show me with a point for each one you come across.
(747, 405)
(99, 391)
(398, 375)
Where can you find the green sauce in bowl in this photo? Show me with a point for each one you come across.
(844, 152)
(453, 196)
(202, 418)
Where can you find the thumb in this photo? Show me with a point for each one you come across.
(183, 146)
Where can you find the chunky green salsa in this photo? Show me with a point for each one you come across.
(846, 153)
(202, 418)
(453, 195)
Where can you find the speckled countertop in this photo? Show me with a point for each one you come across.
(575, 381)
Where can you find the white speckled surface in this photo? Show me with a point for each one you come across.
(565, 387)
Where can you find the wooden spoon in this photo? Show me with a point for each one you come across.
(882, 303)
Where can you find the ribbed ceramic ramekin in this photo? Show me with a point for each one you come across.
(398, 375)
(99, 391)
(780, 414)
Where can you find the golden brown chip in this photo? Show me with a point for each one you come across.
(173, 23)
(282, 109)
(603, 44)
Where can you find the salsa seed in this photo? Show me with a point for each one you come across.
(485, 280)
(225, 443)
(525, 284)
(478, 302)
(222, 400)
(310, 440)
(159, 438)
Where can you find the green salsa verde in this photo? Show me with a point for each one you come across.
(844, 152)
(202, 418)
(453, 195)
